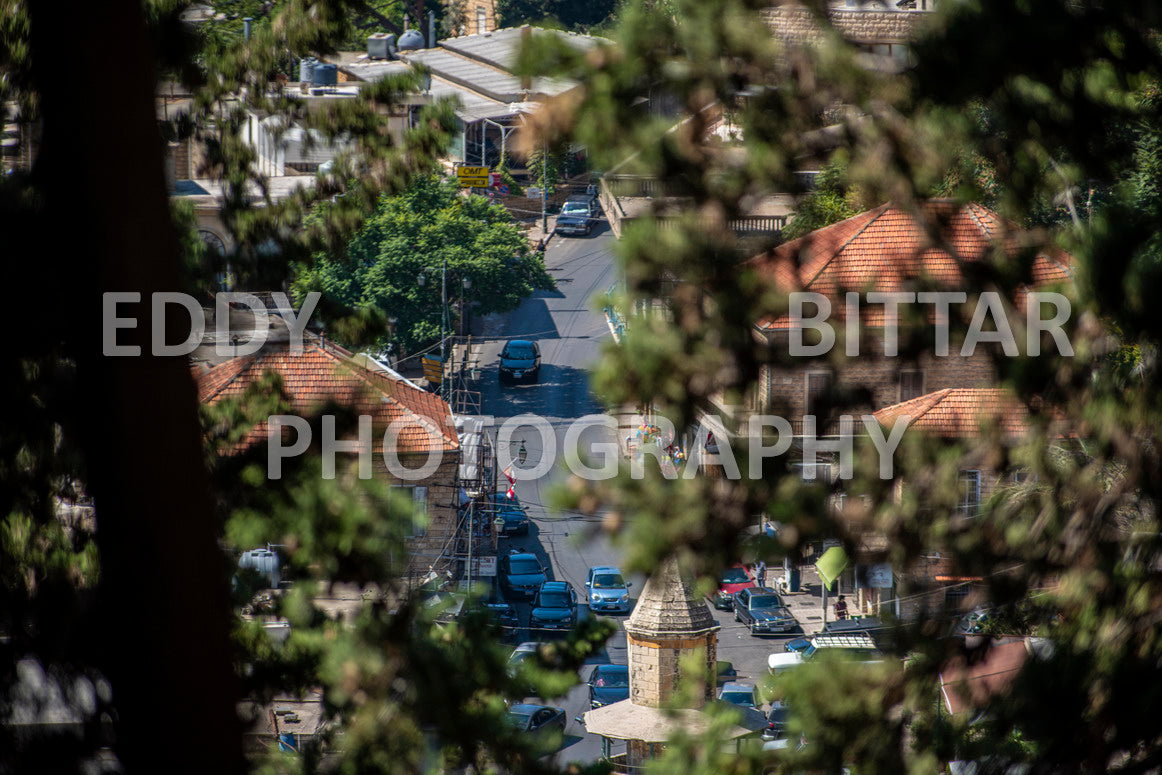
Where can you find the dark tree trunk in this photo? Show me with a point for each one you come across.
(163, 599)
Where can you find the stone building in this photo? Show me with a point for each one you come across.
(669, 625)
(406, 422)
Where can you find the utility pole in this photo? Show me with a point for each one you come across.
(544, 189)
(444, 326)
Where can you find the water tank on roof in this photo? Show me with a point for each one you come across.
(324, 75)
(306, 65)
(381, 45)
(412, 40)
(265, 562)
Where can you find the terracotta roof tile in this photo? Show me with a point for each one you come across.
(325, 374)
(886, 249)
(959, 412)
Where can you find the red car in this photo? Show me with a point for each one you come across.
(734, 579)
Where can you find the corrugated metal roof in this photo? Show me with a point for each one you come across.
(499, 47)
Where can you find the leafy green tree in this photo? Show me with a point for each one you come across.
(829, 202)
(419, 232)
(571, 14)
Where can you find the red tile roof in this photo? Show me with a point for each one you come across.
(326, 374)
(886, 248)
(967, 686)
(959, 412)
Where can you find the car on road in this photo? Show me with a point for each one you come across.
(732, 581)
(608, 684)
(520, 359)
(516, 519)
(555, 607)
(608, 590)
(540, 720)
(521, 575)
(763, 611)
(868, 625)
(504, 614)
(739, 693)
(859, 647)
(776, 721)
(577, 215)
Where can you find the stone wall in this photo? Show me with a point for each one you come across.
(784, 390)
(655, 669)
(795, 24)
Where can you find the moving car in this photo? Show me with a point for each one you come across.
(577, 215)
(608, 590)
(763, 611)
(738, 693)
(516, 520)
(733, 580)
(521, 575)
(520, 359)
(555, 607)
(608, 684)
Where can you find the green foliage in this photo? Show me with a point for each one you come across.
(430, 226)
(571, 14)
(545, 169)
(829, 202)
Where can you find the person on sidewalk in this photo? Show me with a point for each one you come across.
(760, 573)
(841, 608)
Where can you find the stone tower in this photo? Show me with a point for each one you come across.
(669, 623)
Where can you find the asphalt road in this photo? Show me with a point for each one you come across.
(571, 331)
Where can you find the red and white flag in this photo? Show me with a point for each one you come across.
(511, 493)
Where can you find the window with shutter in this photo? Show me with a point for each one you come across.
(419, 498)
(818, 386)
(911, 384)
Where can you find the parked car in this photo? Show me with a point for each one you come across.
(795, 645)
(738, 693)
(972, 623)
(521, 575)
(763, 611)
(555, 607)
(504, 614)
(776, 721)
(526, 650)
(607, 590)
(520, 359)
(732, 581)
(539, 720)
(608, 684)
(516, 519)
(577, 215)
(859, 647)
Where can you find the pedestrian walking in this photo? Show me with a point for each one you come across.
(841, 608)
(760, 573)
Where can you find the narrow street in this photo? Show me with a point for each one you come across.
(571, 331)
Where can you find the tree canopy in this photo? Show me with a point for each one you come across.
(425, 230)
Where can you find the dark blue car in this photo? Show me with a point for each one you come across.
(555, 607)
(521, 575)
(608, 684)
(516, 520)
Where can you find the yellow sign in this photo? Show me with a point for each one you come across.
(433, 369)
(472, 177)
